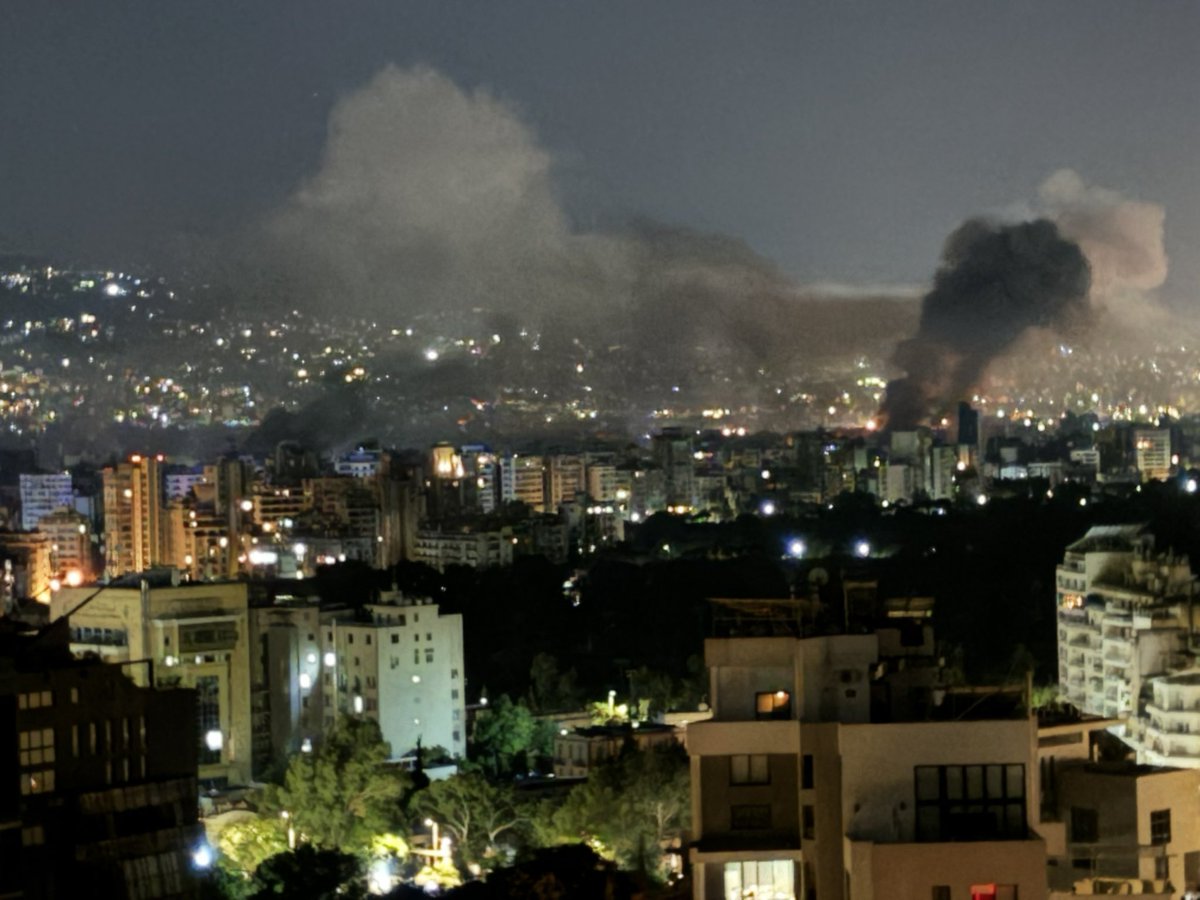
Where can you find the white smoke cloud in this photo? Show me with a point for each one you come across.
(1121, 238)
(432, 197)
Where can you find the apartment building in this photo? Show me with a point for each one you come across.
(98, 796)
(810, 780)
(1124, 618)
(194, 635)
(400, 662)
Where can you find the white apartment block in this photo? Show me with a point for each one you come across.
(1123, 614)
(399, 662)
(476, 549)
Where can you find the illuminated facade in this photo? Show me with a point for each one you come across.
(43, 494)
(1122, 618)
(133, 513)
(804, 785)
(402, 667)
(194, 635)
(1152, 448)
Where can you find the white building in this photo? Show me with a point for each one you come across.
(43, 494)
(1122, 619)
(1171, 731)
(476, 549)
(400, 663)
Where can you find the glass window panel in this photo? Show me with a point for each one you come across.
(974, 782)
(759, 773)
(1016, 780)
(927, 783)
(954, 782)
(995, 781)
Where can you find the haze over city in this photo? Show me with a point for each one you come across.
(624, 450)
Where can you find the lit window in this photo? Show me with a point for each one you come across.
(37, 747)
(773, 705)
(760, 878)
(40, 782)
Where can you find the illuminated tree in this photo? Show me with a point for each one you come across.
(631, 807)
(243, 846)
(475, 812)
(345, 793)
(508, 738)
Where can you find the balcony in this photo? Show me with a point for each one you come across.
(713, 738)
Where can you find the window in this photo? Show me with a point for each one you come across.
(400, 619)
(208, 716)
(416, 657)
(428, 636)
(940, 892)
(35, 700)
(454, 673)
(773, 705)
(368, 640)
(1085, 825)
(350, 638)
(40, 782)
(74, 695)
(454, 693)
(749, 817)
(33, 836)
(993, 892)
(395, 638)
(417, 638)
(806, 771)
(428, 654)
(749, 769)
(768, 878)
(808, 820)
(1160, 826)
(1162, 867)
(37, 747)
(970, 802)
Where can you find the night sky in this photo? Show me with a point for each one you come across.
(843, 141)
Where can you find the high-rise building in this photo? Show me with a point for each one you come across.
(403, 667)
(521, 480)
(1152, 449)
(1124, 616)
(672, 451)
(133, 513)
(42, 495)
(70, 537)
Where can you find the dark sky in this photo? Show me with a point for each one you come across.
(844, 140)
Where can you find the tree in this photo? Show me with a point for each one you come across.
(550, 689)
(309, 873)
(476, 812)
(343, 794)
(508, 737)
(244, 846)
(631, 807)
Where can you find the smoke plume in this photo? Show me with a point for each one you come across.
(432, 199)
(995, 283)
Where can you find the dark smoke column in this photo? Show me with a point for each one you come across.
(995, 283)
